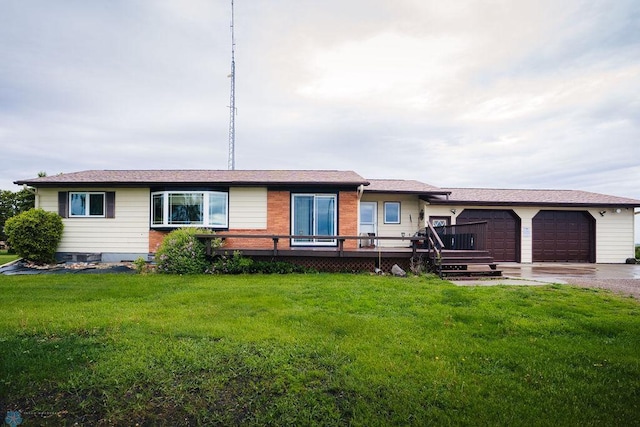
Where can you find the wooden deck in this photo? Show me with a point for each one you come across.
(444, 262)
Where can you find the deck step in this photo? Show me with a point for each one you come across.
(466, 263)
(462, 275)
(461, 260)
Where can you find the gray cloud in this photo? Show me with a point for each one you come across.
(528, 94)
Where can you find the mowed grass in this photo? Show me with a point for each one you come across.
(5, 258)
(314, 350)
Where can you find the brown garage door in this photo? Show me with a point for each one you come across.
(503, 231)
(563, 236)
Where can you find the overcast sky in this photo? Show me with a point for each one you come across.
(502, 94)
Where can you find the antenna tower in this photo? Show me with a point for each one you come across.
(232, 104)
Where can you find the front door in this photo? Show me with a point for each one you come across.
(368, 218)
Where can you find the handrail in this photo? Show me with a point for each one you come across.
(464, 223)
(437, 245)
(465, 236)
(300, 236)
(276, 238)
(435, 234)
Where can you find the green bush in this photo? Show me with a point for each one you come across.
(637, 252)
(35, 234)
(238, 264)
(182, 253)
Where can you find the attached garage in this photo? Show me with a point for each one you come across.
(503, 231)
(563, 236)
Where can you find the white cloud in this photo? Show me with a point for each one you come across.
(517, 94)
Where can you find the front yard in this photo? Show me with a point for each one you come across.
(314, 350)
(5, 257)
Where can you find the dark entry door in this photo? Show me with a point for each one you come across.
(563, 236)
(503, 231)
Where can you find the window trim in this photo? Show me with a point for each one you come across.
(386, 220)
(206, 217)
(314, 242)
(87, 213)
(110, 205)
(447, 220)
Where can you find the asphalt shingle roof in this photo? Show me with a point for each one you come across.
(238, 177)
(402, 186)
(489, 196)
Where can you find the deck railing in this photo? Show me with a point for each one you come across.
(413, 242)
(470, 236)
(433, 243)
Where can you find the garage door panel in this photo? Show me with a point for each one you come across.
(563, 236)
(503, 231)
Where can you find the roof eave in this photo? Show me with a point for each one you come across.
(549, 204)
(50, 184)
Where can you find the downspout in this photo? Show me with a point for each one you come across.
(34, 191)
(359, 192)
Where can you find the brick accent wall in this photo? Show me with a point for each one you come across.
(348, 217)
(279, 215)
(279, 222)
(155, 239)
(245, 243)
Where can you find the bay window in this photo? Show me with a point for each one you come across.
(189, 209)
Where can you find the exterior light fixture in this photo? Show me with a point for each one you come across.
(602, 213)
(453, 211)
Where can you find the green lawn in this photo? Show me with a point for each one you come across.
(4, 258)
(314, 350)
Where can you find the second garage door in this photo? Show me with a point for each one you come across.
(563, 236)
(503, 231)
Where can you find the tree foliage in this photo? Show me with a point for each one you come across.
(13, 203)
(35, 234)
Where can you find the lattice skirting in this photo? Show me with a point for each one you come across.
(342, 265)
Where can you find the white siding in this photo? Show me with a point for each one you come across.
(409, 217)
(614, 231)
(248, 208)
(526, 215)
(614, 235)
(128, 232)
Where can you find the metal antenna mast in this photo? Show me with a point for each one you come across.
(232, 106)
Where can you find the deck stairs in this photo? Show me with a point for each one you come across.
(465, 264)
(463, 255)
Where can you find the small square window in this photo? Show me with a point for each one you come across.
(86, 204)
(392, 212)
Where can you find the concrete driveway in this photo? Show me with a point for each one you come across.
(620, 278)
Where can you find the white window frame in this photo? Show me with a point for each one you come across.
(206, 218)
(386, 220)
(88, 195)
(314, 242)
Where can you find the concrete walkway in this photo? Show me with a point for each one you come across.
(560, 272)
(621, 278)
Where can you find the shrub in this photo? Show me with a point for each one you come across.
(141, 266)
(182, 253)
(35, 234)
(637, 252)
(238, 264)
